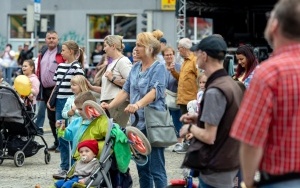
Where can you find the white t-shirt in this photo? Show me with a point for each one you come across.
(121, 71)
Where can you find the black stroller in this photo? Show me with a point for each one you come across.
(17, 129)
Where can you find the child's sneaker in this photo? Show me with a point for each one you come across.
(178, 146)
(62, 174)
(185, 146)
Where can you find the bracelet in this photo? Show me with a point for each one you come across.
(190, 126)
(113, 79)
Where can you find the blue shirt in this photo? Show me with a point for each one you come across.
(138, 84)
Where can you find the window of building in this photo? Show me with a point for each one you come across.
(117, 24)
(18, 26)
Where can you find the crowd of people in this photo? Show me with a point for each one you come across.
(230, 128)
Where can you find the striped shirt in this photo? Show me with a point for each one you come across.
(269, 116)
(65, 88)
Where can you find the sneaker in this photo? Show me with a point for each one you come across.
(184, 148)
(178, 146)
(62, 174)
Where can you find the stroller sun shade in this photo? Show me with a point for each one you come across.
(10, 106)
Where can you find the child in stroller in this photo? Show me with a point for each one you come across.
(84, 167)
(17, 129)
(116, 148)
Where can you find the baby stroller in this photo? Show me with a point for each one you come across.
(105, 175)
(17, 129)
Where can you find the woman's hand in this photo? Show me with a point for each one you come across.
(131, 108)
(108, 74)
(48, 105)
(88, 84)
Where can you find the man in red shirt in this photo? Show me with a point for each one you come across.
(268, 122)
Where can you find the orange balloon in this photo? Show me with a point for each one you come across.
(22, 85)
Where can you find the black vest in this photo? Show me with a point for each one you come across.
(223, 155)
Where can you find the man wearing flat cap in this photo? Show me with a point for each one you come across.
(212, 151)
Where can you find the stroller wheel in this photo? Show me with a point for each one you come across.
(19, 158)
(92, 110)
(139, 159)
(139, 141)
(47, 157)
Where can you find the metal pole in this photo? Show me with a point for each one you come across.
(36, 41)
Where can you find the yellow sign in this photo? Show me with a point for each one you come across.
(168, 4)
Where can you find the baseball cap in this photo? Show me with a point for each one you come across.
(26, 44)
(212, 45)
(92, 144)
(163, 40)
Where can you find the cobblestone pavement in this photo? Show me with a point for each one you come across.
(36, 171)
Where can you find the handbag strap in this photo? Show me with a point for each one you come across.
(113, 69)
(65, 74)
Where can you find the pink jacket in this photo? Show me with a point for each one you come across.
(35, 86)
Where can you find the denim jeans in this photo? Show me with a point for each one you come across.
(177, 123)
(66, 184)
(7, 73)
(63, 144)
(40, 116)
(154, 170)
(290, 184)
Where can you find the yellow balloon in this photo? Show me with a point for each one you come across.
(22, 85)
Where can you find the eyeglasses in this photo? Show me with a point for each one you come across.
(179, 47)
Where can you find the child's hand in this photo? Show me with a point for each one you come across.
(82, 181)
(73, 108)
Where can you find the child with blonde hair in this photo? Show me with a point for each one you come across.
(78, 85)
(193, 106)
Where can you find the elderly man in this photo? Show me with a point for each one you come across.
(187, 81)
(216, 153)
(268, 123)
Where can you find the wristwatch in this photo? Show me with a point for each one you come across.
(113, 79)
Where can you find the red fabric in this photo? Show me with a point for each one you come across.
(269, 116)
(92, 144)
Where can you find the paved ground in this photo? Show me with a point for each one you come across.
(36, 171)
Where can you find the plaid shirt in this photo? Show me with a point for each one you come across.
(269, 116)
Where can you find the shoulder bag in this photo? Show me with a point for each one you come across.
(52, 100)
(159, 127)
(171, 100)
(99, 74)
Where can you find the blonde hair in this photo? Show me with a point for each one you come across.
(200, 75)
(150, 40)
(72, 45)
(81, 81)
(115, 40)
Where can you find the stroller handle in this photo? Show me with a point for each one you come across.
(136, 117)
